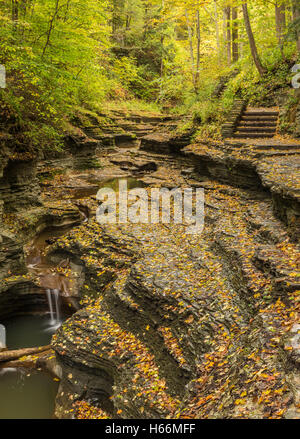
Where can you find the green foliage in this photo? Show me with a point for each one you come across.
(43, 134)
(210, 130)
(258, 91)
(135, 105)
(51, 53)
(63, 55)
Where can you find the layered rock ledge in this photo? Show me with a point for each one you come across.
(172, 325)
(178, 325)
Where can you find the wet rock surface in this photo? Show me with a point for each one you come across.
(24, 213)
(206, 314)
(177, 325)
(273, 167)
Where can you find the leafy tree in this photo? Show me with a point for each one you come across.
(64, 54)
(252, 43)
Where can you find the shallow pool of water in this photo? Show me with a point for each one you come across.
(113, 183)
(132, 183)
(26, 394)
(28, 331)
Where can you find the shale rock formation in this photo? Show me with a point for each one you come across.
(182, 325)
(172, 324)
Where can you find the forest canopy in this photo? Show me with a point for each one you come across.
(63, 54)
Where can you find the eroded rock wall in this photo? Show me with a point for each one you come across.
(191, 326)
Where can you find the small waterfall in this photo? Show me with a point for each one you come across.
(56, 297)
(54, 310)
(49, 297)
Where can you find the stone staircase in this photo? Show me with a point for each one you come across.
(257, 123)
(123, 129)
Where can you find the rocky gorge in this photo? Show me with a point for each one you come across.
(165, 324)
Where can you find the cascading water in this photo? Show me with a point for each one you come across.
(57, 310)
(54, 310)
(49, 297)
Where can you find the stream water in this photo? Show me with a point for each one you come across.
(28, 331)
(26, 395)
(30, 393)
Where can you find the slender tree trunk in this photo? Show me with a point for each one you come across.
(51, 25)
(252, 40)
(280, 22)
(191, 44)
(235, 35)
(127, 26)
(24, 13)
(67, 6)
(197, 75)
(146, 20)
(118, 20)
(227, 14)
(162, 40)
(296, 17)
(14, 14)
(217, 28)
(14, 10)
(128, 22)
(224, 27)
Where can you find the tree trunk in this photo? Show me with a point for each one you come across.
(235, 35)
(146, 19)
(227, 14)
(197, 76)
(51, 25)
(128, 22)
(224, 27)
(252, 43)
(162, 40)
(118, 20)
(296, 18)
(191, 44)
(67, 6)
(280, 22)
(18, 353)
(14, 13)
(217, 28)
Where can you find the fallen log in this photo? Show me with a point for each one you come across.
(18, 353)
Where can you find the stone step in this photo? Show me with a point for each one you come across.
(271, 153)
(261, 113)
(254, 123)
(242, 129)
(91, 128)
(239, 135)
(260, 118)
(279, 147)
